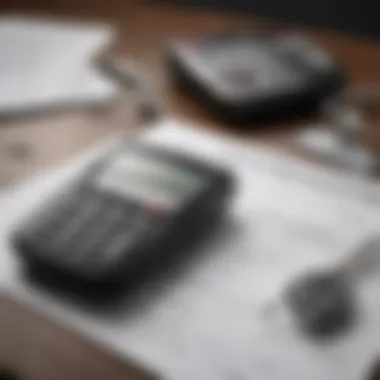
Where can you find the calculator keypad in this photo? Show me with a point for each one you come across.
(53, 220)
(88, 246)
(124, 238)
(78, 220)
(92, 232)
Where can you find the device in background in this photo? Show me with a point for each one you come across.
(243, 78)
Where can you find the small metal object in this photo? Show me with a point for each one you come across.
(133, 79)
(342, 113)
(122, 72)
(323, 302)
(347, 127)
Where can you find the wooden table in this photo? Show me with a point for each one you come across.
(34, 348)
(144, 29)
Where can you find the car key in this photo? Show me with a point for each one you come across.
(323, 302)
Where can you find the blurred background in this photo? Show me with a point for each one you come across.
(359, 17)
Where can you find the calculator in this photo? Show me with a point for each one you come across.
(248, 77)
(124, 214)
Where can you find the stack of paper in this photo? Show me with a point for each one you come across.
(45, 63)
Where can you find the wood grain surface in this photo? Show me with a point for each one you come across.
(34, 348)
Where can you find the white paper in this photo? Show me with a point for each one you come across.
(45, 63)
(206, 321)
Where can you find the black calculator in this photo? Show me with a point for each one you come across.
(125, 213)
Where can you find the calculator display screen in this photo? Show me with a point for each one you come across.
(150, 180)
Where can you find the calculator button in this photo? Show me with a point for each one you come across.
(118, 246)
(90, 242)
(115, 212)
(75, 223)
(125, 238)
(55, 214)
(49, 222)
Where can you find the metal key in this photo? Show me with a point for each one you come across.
(323, 302)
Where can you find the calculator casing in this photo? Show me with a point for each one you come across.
(165, 236)
(246, 91)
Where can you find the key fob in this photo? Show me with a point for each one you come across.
(321, 302)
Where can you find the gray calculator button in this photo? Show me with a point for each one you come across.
(51, 219)
(118, 245)
(124, 239)
(88, 244)
(92, 240)
(115, 215)
(50, 223)
(76, 223)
